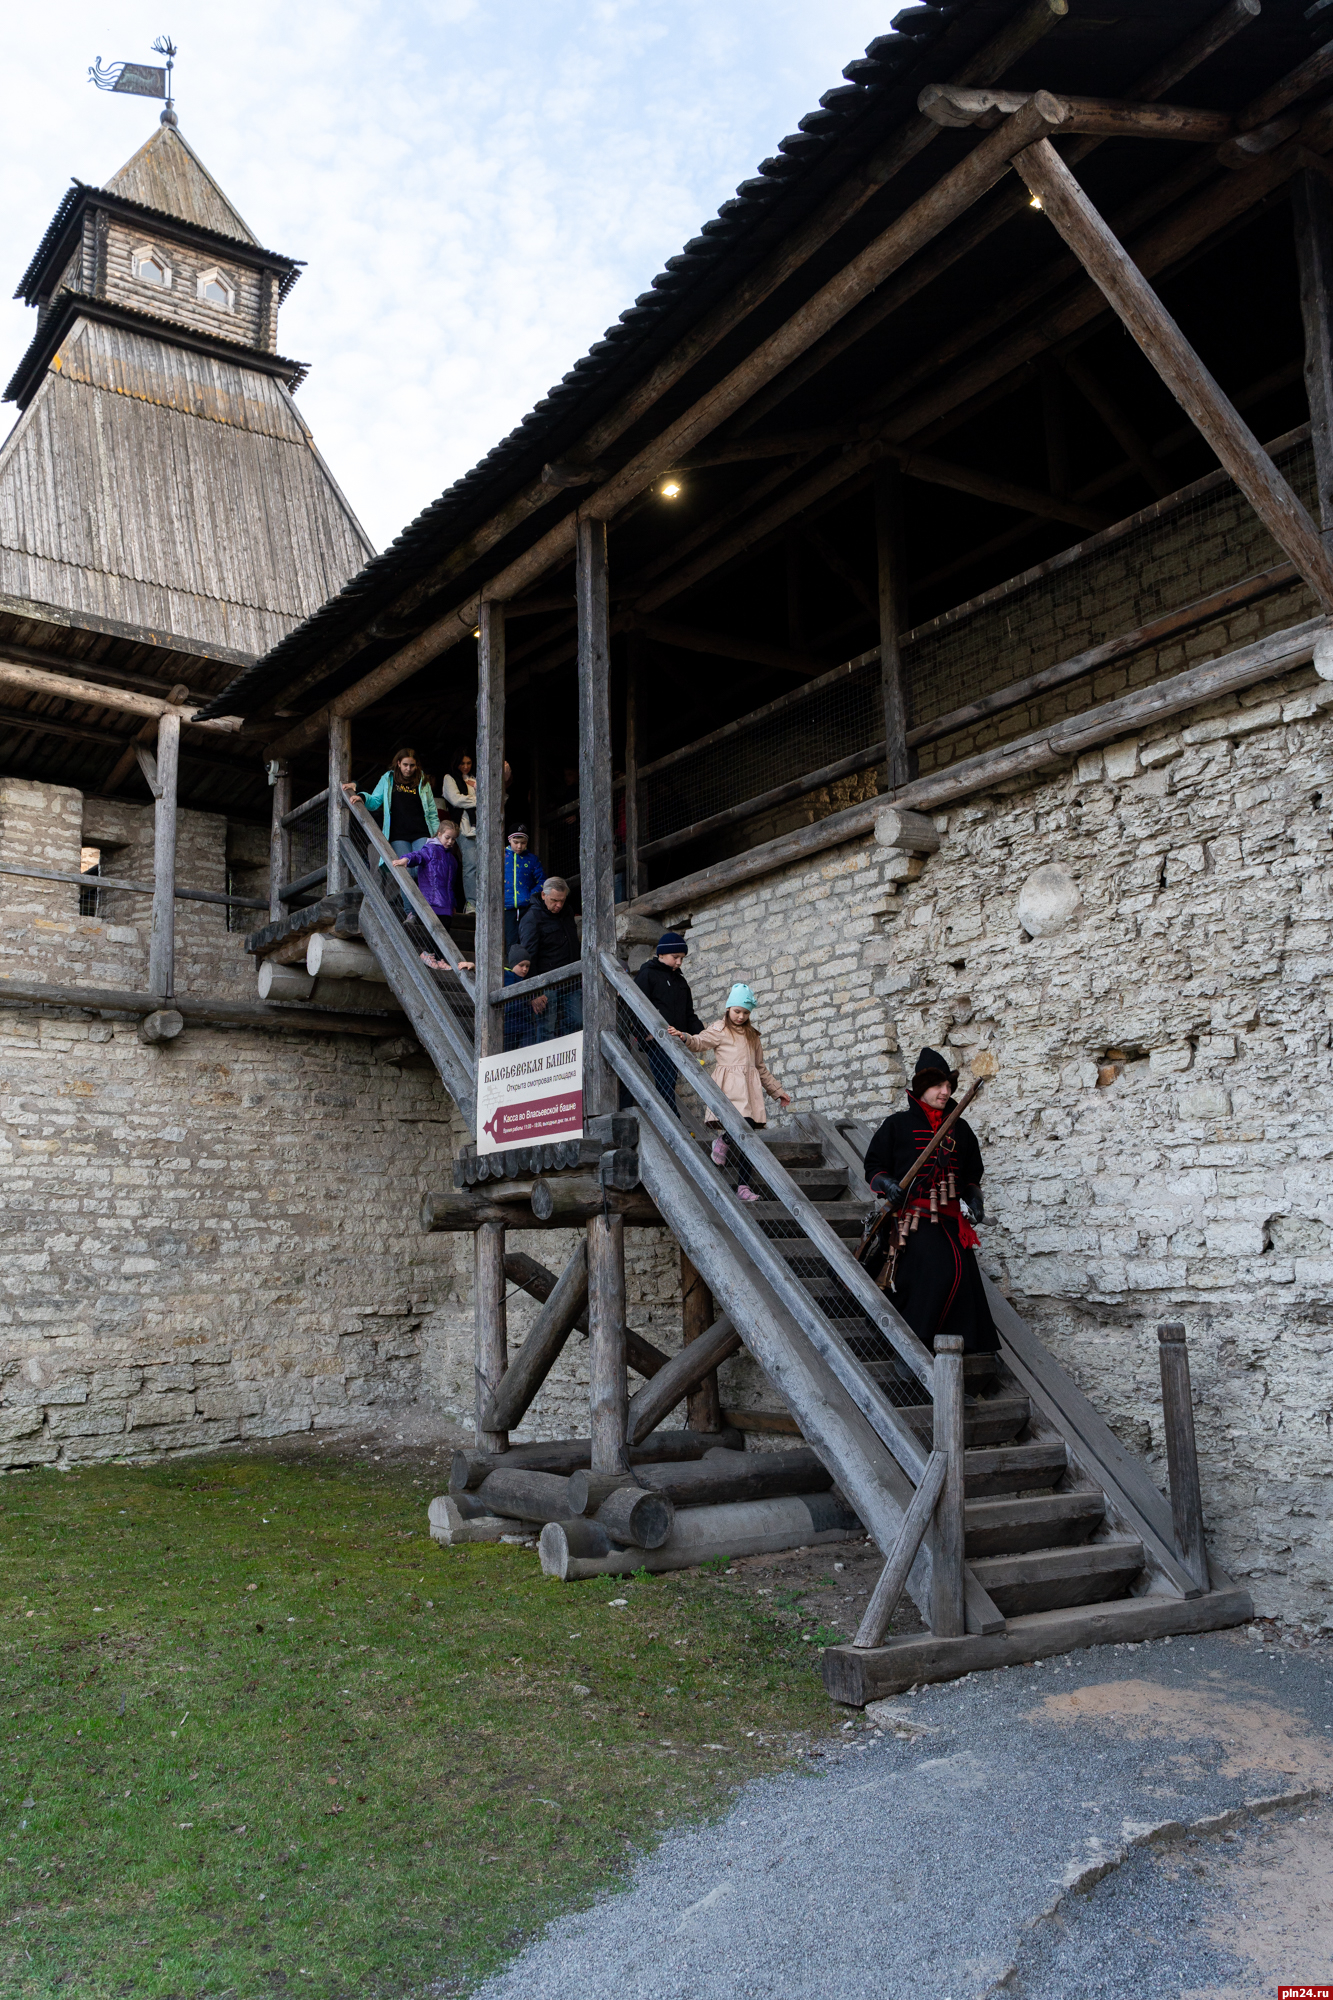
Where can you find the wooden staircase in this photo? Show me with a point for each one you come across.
(1066, 1541)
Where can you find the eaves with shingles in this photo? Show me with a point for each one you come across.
(853, 121)
(66, 307)
(82, 194)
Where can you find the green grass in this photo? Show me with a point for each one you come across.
(259, 1734)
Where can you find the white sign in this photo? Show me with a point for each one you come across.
(531, 1097)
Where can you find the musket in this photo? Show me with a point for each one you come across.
(890, 1213)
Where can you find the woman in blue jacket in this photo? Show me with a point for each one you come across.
(405, 802)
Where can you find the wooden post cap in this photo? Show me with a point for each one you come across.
(1171, 1329)
(162, 1026)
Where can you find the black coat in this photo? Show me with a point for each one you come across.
(904, 1135)
(937, 1286)
(547, 938)
(670, 993)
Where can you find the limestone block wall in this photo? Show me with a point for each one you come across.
(1158, 1138)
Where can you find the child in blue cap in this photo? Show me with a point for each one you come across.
(739, 1069)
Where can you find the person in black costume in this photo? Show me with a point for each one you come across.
(662, 980)
(937, 1283)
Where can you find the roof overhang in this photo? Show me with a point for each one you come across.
(67, 308)
(57, 246)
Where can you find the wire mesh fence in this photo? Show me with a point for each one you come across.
(532, 1018)
(817, 748)
(308, 838)
(395, 908)
(841, 1311)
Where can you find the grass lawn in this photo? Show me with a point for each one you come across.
(261, 1735)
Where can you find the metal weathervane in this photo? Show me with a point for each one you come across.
(139, 79)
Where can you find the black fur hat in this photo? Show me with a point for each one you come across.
(931, 1067)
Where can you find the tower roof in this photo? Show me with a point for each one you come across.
(168, 175)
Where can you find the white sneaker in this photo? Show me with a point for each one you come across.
(719, 1152)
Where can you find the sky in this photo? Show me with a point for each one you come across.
(479, 187)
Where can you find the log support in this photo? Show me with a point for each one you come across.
(1312, 213)
(340, 771)
(279, 839)
(542, 1348)
(893, 621)
(947, 1619)
(596, 826)
(490, 1342)
(162, 945)
(698, 1314)
(608, 1389)
(489, 954)
(1182, 1456)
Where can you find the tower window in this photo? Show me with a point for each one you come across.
(215, 290)
(151, 268)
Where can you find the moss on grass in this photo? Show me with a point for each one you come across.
(261, 1735)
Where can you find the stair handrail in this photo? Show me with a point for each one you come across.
(798, 1205)
(538, 983)
(403, 882)
(883, 1418)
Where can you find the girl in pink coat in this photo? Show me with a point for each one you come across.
(739, 1069)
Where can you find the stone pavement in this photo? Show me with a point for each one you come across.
(1116, 1824)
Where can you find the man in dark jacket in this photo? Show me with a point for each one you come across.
(662, 981)
(548, 937)
(937, 1282)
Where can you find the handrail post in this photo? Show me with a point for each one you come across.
(947, 1619)
(1182, 1456)
(596, 830)
(162, 939)
(490, 1341)
(489, 954)
(279, 838)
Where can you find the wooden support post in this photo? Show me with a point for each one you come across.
(892, 621)
(1312, 206)
(542, 1348)
(633, 679)
(162, 944)
(1182, 1456)
(1119, 279)
(608, 1389)
(490, 1341)
(697, 1314)
(340, 770)
(490, 937)
(893, 1577)
(279, 840)
(596, 826)
(947, 1619)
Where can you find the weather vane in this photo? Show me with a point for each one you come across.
(141, 79)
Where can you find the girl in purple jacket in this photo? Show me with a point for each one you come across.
(439, 874)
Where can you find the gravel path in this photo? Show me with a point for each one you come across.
(923, 1855)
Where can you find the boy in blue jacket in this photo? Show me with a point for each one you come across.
(524, 876)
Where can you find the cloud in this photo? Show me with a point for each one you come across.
(479, 187)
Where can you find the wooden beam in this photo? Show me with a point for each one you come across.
(1199, 395)
(64, 687)
(279, 839)
(114, 882)
(633, 680)
(1182, 1456)
(723, 646)
(608, 1388)
(200, 1009)
(698, 1316)
(1312, 213)
(893, 1577)
(1104, 117)
(694, 1364)
(1277, 654)
(542, 1348)
(340, 772)
(892, 621)
(489, 954)
(596, 827)
(833, 559)
(490, 1341)
(162, 943)
(947, 1620)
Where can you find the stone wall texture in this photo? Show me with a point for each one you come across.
(1158, 1137)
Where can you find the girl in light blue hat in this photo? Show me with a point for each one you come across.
(739, 1069)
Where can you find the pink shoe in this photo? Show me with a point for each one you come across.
(719, 1152)
(746, 1194)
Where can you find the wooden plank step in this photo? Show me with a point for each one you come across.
(1049, 1579)
(857, 1677)
(986, 1420)
(821, 1183)
(1037, 1521)
(795, 1152)
(1008, 1468)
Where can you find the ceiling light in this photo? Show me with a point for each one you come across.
(670, 489)
(1034, 201)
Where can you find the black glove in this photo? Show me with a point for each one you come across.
(887, 1188)
(975, 1204)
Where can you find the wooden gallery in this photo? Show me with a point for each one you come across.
(919, 599)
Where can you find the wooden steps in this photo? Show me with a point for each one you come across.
(1051, 1579)
(1014, 1468)
(1007, 1526)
